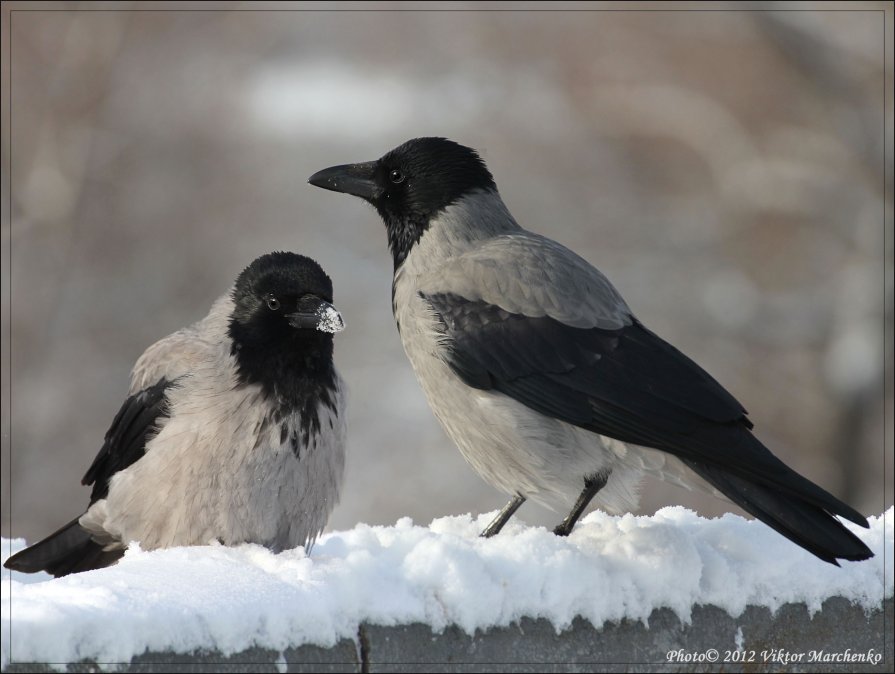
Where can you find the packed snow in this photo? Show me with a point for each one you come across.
(230, 599)
(329, 320)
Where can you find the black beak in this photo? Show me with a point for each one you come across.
(324, 317)
(356, 179)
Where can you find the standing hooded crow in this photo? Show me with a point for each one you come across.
(534, 364)
(233, 430)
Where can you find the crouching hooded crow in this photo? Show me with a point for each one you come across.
(534, 364)
(233, 430)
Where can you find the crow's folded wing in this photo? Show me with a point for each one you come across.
(625, 383)
(125, 441)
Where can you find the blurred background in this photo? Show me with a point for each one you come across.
(724, 168)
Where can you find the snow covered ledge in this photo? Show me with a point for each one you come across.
(672, 589)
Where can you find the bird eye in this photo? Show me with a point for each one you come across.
(396, 176)
(273, 303)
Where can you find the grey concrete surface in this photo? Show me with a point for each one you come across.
(756, 641)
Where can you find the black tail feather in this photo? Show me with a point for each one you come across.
(764, 468)
(800, 520)
(68, 550)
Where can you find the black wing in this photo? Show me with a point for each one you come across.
(630, 385)
(126, 439)
(71, 549)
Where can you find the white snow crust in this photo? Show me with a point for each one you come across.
(230, 599)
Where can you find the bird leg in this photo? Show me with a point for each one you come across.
(503, 516)
(591, 486)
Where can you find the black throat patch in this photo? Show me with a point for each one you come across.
(299, 379)
(404, 233)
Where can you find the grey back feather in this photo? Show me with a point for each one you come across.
(488, 257)
(187, 350)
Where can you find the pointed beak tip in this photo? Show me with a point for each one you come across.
(318, 179)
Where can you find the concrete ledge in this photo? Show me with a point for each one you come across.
(841, 634)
